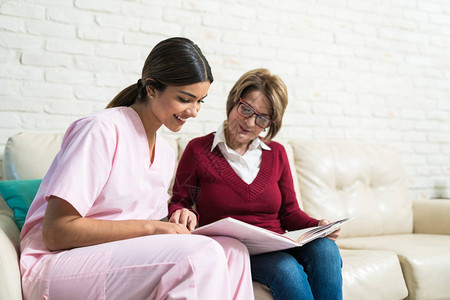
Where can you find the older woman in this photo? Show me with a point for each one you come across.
(233, 172)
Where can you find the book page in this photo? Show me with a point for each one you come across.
(258, 240)
(306, 235)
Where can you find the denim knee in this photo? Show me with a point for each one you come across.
(282, 273)
(272, 265)
(322, 250)
(322, 262)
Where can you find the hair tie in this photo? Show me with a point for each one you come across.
(142, 93)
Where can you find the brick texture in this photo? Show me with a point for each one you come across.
(356, 70)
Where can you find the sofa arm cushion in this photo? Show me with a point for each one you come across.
(432, 216)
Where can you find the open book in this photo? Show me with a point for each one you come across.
(259, 240)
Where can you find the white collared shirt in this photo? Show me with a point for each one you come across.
(246, 166)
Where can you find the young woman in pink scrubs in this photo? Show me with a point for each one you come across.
(93, 230)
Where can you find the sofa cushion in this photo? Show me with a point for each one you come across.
(424, 259)
(365, 182)
(261, 291)
(372, 274)
(363, 273)
(19, 194)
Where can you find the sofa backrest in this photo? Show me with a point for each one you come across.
(362, 181)
(28, 155)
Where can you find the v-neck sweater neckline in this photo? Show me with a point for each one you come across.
(247, 191)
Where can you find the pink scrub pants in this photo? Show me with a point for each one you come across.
(151, 267)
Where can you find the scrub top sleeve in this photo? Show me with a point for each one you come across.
(83, 165)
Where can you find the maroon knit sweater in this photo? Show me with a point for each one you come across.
(205, 178)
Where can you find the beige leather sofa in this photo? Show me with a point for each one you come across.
(393, 249)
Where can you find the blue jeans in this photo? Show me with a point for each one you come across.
(313, 271)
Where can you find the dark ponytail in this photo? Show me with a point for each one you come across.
(174, 61)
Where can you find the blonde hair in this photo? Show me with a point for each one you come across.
(271, 86)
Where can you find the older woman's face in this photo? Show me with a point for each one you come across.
(242, 131)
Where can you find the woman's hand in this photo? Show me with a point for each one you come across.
(160, 227)
(185, 217)
(335, 234)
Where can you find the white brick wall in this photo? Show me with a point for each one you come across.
(356, 70)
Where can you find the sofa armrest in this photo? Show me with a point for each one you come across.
(10, 285)
(432, 216)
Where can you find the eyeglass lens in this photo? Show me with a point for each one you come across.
(245, 110)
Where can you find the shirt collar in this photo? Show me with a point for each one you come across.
(219, 137)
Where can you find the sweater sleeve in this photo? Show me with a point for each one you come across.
(186, 182)
(290, 214)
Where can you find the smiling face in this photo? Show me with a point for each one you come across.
(176, 104)
(241, 131)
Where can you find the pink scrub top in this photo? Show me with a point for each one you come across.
(104, 171)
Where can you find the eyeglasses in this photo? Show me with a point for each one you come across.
(247, 111)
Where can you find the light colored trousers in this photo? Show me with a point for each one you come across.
(152, 267)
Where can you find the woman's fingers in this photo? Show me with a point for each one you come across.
(185, 217)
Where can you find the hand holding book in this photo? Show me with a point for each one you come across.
(333, 235)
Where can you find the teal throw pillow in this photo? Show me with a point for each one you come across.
(19, 194)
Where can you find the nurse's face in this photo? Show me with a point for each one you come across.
(176, 104)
